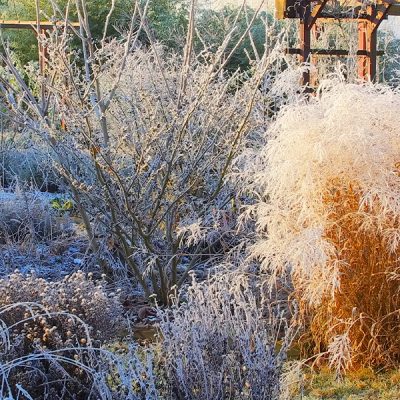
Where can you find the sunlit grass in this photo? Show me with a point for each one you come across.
(363, 384)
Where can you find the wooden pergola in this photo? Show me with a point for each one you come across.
(39, 27)
(368, 18)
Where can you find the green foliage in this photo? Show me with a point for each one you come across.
(169, 20)
(214, 25)
(62, 204)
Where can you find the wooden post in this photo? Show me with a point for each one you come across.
(367, 44)
(41, 34)
(42, 51)
(368, 41)
(316, 30)
(305, 40)
(373, 59)
(363, 60)
(43, 55)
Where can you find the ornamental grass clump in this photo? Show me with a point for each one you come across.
(329, 220)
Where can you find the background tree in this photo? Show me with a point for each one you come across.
(168, 20)
(214, 25)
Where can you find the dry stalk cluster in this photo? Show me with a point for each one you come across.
(51, 356)
(328, 219)
(68, 319)
(27, 218)
(76, 294)
(218, 345)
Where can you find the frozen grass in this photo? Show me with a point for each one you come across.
(328, 219)
(35, 236)
(27, 218)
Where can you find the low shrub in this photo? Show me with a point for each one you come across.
(80, 371)
(76, 294)
(74, 313)
(218, 345)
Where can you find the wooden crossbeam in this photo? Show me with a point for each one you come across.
(295, 8)
(342, 16)
(333, 52)
(17, 24)
(379, 15)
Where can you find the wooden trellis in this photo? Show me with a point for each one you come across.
(40, 28)
(368, 18)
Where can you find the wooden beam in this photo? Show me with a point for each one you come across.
(316, 12)
(394, 10)
(333, 52)
(328, 17)
(356, 12)
(379, 15)
(16, 24)
(305, 41)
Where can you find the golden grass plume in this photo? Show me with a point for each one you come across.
(329, 219)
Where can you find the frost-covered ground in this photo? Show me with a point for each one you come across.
(35, 237)
(18, 196)
(43, 261)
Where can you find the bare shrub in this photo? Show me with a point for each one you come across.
(218, 345)
(145, 140)
(329, 219)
